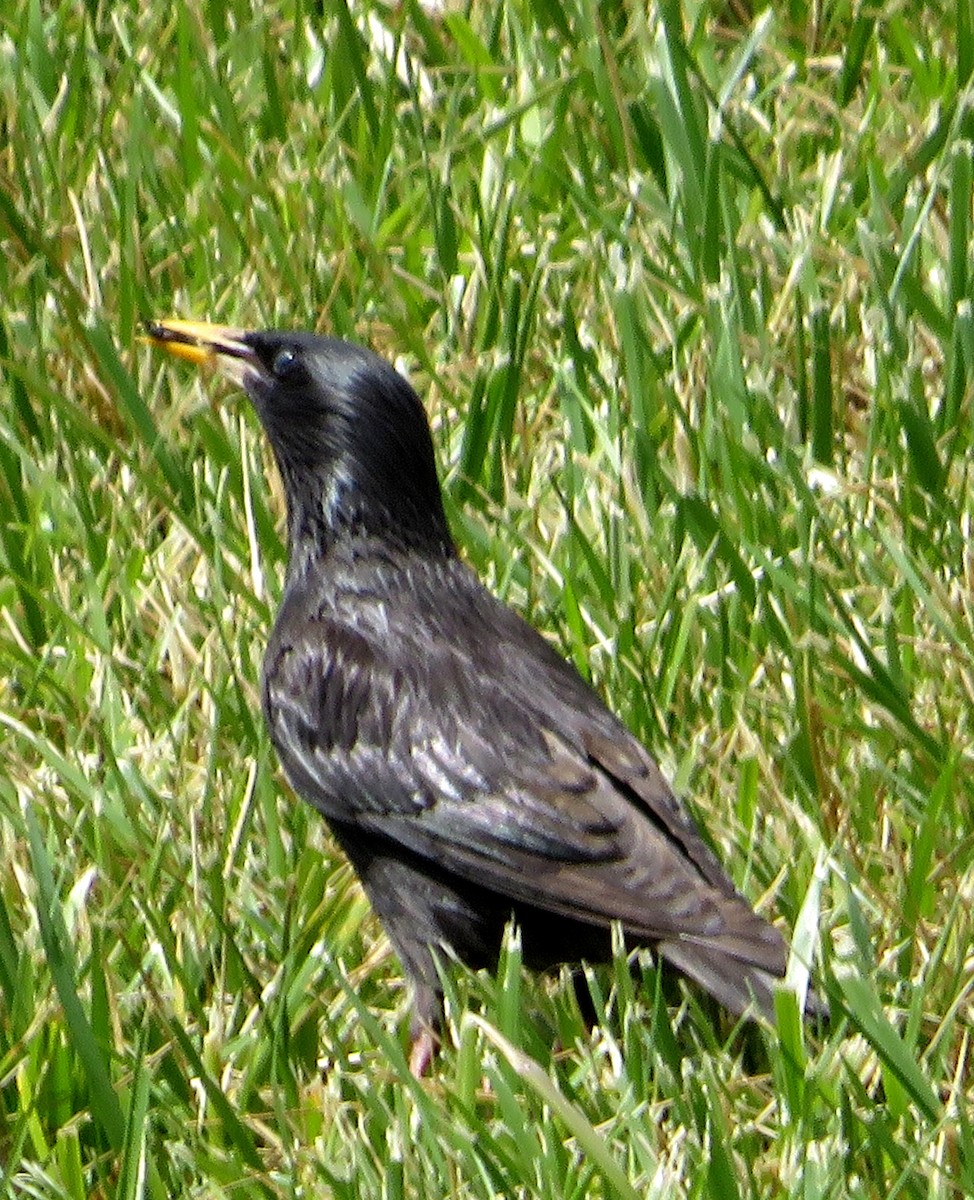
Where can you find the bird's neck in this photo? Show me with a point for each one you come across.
(343, 523)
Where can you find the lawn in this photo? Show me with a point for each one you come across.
(687, 291)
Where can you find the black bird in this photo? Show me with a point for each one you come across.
(467, 771)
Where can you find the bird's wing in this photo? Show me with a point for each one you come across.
(509, 772)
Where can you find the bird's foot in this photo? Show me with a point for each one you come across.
(421, 1052)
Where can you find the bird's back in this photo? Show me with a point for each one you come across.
(435, 729)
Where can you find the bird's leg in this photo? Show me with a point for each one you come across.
(427, 1000)
(424, 1046)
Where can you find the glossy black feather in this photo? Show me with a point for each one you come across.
(467, 770)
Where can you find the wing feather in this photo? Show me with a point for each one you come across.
(489, 757)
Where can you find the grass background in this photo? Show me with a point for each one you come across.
(688, 292)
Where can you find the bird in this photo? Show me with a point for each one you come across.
(468, 772)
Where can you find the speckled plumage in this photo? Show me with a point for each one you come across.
(466, 769)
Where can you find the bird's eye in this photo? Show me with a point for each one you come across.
(284, 363)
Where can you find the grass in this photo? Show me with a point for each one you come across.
(688, 292)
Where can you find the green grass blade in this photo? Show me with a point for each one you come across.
(529, 1071)
(864, 1010)
(102, 1098)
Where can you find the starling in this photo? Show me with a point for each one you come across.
(468, 771)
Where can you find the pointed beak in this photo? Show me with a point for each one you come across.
(221, 346)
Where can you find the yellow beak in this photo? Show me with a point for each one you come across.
(202, 344)
(197, 341)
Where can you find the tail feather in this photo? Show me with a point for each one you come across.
(736, 985)
(739, 986)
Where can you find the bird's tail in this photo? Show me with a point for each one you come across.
(735, 984)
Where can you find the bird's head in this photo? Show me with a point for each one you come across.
(349, 434)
